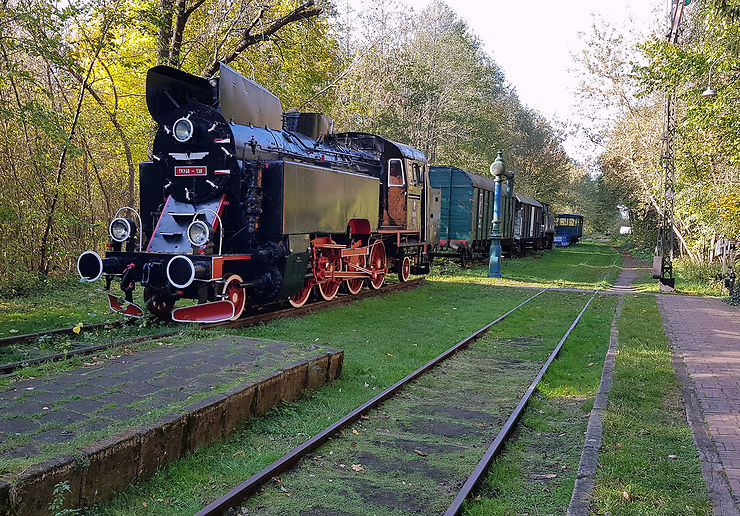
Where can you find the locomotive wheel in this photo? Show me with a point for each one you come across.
(377, 265)
(355, 285)
(404, 271)
(236, 294)
(329, 263)
(464, 257)
(299, 298)
(328, 289)
(159, 303)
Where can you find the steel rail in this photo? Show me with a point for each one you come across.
(266, 316)
(251, 485)
(57, 357)
(472, 482)
(14, 339)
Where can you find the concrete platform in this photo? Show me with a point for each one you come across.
(116, 421)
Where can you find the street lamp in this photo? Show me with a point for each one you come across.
(709, 92)
(498, 171)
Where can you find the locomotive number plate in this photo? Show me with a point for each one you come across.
(191, 171)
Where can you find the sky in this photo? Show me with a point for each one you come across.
(534, 42)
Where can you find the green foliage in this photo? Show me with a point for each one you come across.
(633, 80)
(424, 79)
(419, 78)
(57, 504)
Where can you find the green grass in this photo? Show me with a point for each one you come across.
(52, 305)
(536, 471)
(588, 264)
(486, 379)
(385, 338)
(645, 424)
(691, 279)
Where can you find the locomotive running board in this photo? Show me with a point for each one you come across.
(123, 307)
(217, 311)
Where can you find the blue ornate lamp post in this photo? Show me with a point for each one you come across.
(498, 171)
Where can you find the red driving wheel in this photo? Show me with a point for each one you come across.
(299, 298)
(377, 265)
(404, 270)
(328, 289)
(236, 294)
(354, 285)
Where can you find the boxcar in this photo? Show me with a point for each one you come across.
(529, 233)
(466, 210)
(467, 215)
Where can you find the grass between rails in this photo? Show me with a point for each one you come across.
(411, 455)
(536, 471)
(645, 427)
(61, 344)
(588, 264)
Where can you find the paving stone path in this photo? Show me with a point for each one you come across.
(44, 414)
(706, 335)
(632, 268)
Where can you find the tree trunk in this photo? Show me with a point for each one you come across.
(164, 37)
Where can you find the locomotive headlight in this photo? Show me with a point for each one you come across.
(121, 229)
(199, 233)
(182, 130)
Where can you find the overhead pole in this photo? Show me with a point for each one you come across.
(663, 263)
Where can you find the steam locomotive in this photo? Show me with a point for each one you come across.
(242, 204)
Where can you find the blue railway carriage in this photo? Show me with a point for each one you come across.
(568, 229)
(466, 215)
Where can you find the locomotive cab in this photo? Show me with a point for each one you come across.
(405, 206)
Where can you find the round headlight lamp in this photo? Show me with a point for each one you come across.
(121, 229)
(199, 233)
(182, 130)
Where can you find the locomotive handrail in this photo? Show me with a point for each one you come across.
(141, 228)
(220, 225)
(352, 157)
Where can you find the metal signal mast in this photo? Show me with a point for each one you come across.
(663, 263)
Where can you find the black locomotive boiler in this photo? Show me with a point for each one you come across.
(242, 204)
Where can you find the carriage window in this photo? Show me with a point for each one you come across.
(395, 172)
(417, 176)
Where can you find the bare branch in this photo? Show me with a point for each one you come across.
(303, 12)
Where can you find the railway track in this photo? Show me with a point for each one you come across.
(265, 315)
(228, 503)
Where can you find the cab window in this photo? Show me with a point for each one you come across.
(417, 175)
(395, 172)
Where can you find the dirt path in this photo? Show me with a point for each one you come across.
(632, 268)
